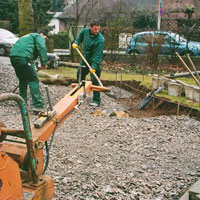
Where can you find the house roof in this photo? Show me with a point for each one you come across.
(101, 6)
(91, 10)
(68, 13)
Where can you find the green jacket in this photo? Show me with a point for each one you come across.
(31, 46)
(92, 47)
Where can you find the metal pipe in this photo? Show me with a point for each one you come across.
(49, 98)
(16, 141)
(84, 91)
(27, 131)
(79, 77)
(197, 74)
(18, 133)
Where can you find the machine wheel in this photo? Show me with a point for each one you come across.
(2, 137)
(56, 64)
(3, 51)
(53, 64)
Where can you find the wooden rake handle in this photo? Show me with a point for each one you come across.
(197, 74)
(100, 83)
(197, 81)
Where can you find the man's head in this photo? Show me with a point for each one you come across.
(43, 34)
(94, 27)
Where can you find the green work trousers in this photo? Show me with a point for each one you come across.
(84, 73)
(27, 76)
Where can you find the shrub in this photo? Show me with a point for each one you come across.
(60, 40)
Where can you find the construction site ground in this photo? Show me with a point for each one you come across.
(117, 151)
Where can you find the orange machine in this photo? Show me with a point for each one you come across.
(23, 160)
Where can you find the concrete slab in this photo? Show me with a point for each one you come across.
(175, 89)
(196, 93)
(192, 92)
(159, 81)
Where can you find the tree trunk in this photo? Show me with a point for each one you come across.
(26, 20)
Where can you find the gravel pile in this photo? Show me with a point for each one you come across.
(96, 155)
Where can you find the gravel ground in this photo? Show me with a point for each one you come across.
(96, 155)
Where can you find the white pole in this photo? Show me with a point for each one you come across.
(159, 16)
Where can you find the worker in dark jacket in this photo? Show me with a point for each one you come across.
(23, 53)
(93, 44)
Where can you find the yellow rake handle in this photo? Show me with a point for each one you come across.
(100, 83)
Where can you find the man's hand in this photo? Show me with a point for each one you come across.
(92, 71)
(74, 46)
(44, 67)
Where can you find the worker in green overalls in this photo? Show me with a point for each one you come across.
(93, 44)
(23, 53)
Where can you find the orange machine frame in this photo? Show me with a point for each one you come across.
(17, 183)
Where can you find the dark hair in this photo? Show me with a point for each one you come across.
(43, 31)
(94, 22)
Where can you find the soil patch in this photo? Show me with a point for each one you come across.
(156, 107)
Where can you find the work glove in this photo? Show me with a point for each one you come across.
(74, 46)
(92, 71)
(44, 67)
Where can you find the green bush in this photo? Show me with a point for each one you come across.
(60, 40)
(143, 18)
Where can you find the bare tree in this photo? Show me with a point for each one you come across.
(116, 14)
(26, 20)
(80, 12)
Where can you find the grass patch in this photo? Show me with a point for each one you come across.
(144, 79)
(63, 72)
(187, 80)
(181, 100)
(71, 73)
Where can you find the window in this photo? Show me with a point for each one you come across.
(143, 38)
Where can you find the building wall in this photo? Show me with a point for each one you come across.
(173, 8)
(56, 23)
(177, 3)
